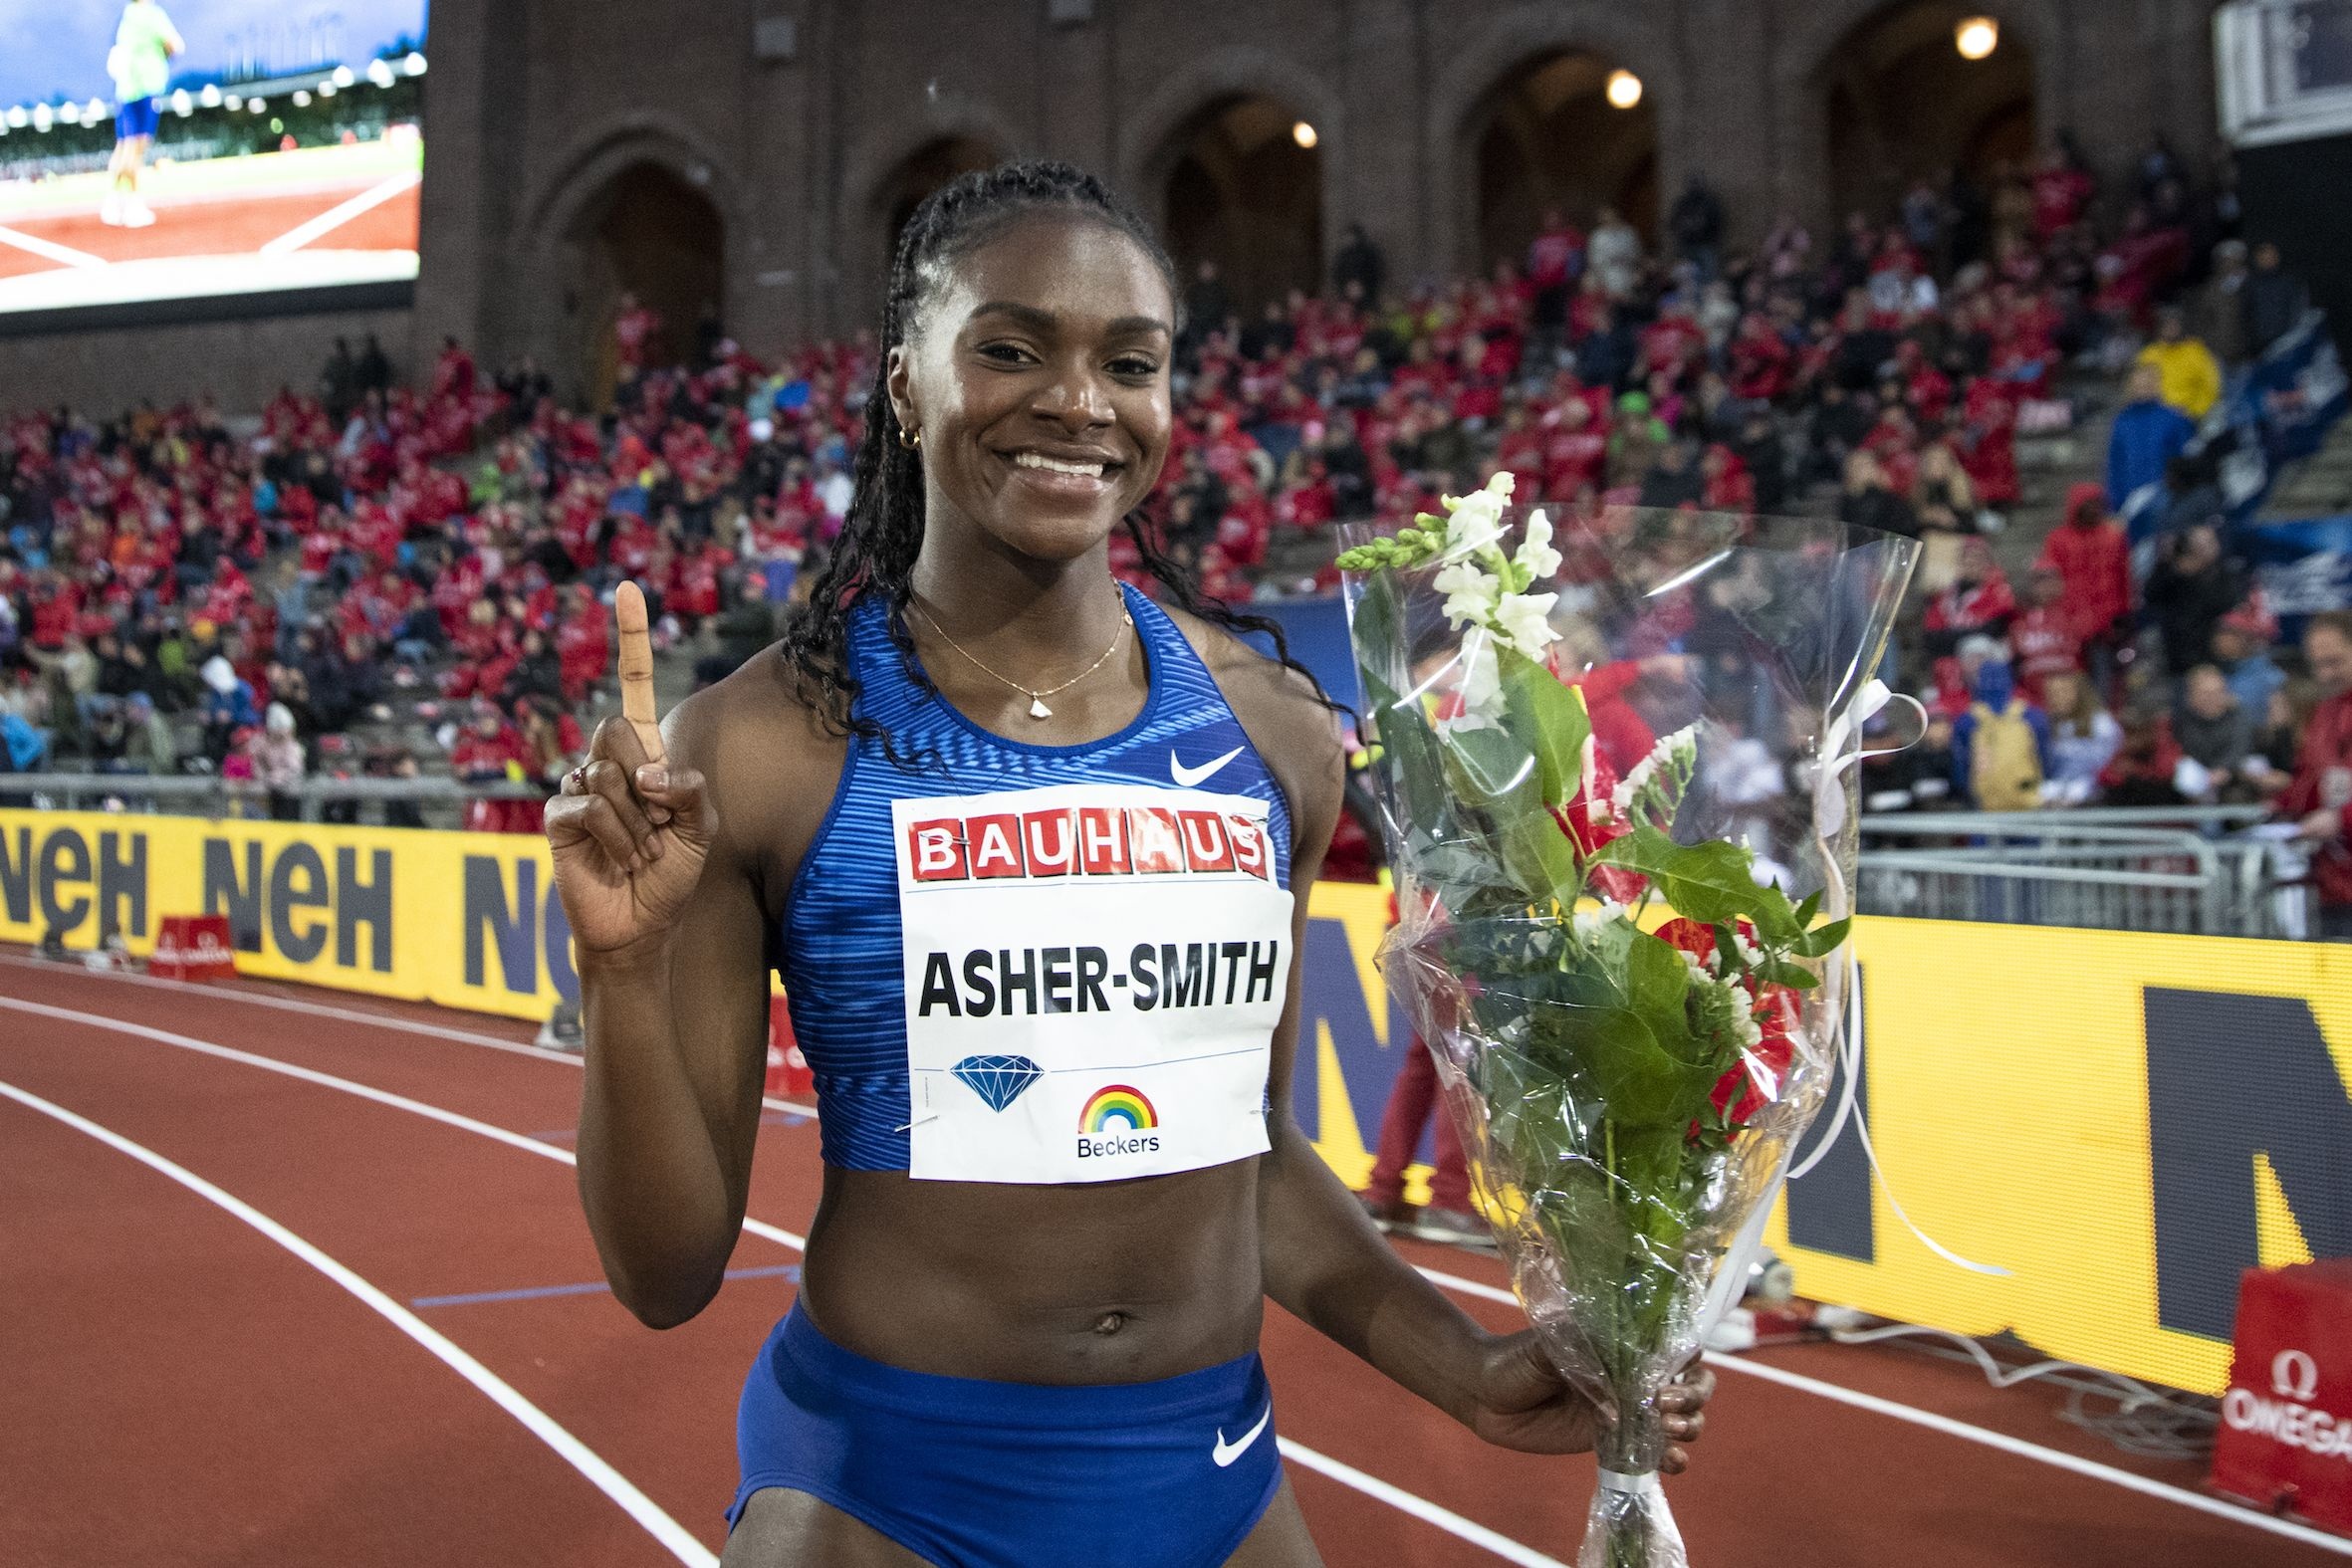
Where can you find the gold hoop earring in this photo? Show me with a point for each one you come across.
(910, 439)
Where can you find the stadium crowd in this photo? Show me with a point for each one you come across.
(451, 547)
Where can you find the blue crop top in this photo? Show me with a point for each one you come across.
(1026, 963)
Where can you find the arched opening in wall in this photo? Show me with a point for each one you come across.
(1906, 104)
(1549, 137)
(924, 171)
(650, 234)
(1245, 189)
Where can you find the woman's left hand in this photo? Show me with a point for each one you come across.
(1520, 1401)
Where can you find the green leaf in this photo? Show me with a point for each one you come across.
(1491, 770)
(1639, 1082)
(1656, 979)
(1821, 941)
(1811, 907)
(1712, 883)
(1551, 716)
(1410, 768)
(1779, 973)
(1373, 625)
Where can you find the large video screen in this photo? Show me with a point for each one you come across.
(186, 149)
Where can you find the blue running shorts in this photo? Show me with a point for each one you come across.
(978, 1474)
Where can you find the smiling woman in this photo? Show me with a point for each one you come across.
(1061, 1171)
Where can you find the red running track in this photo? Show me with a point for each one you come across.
(184, 1390)
(225, 224)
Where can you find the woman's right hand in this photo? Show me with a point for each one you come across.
(629, 834)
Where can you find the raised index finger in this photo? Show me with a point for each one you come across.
(636, 669)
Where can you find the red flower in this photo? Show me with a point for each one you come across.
(1690, 936)
(1575, 820)
(1755, 1081)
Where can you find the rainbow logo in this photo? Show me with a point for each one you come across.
(1120, 1104)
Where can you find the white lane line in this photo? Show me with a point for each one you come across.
(1454, 1283)
(340, 213)
(327, 1080)
(1420, 1507)
(1967, 1433)
(684, 1548)
(2035, 1450)
(322, 1010)
(49, 250)
(1468, 1287)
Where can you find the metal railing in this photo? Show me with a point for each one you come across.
(439, 801)
(2182, 869)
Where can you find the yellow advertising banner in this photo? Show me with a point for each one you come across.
(2114, 1126)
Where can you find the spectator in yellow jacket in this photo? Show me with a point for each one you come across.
(2191, 376)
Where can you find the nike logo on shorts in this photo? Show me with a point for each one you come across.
(1193, 778)
(1226, 1452)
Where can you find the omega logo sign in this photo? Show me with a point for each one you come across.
(2294, 1375)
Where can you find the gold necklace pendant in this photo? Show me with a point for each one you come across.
(1037, 699)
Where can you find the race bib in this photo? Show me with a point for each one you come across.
(1094, 974)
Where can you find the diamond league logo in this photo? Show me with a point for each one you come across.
(999, 1080)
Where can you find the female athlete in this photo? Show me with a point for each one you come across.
(1032, 854)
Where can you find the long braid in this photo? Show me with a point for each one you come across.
(883, 532)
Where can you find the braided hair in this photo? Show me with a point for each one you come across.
(883, 532)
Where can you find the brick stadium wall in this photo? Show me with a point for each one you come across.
(560, 94)
(534, 106)
(241, 362)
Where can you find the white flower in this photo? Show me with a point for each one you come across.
(1474, 522)
(1522, 619)
(1621, 798)
(1679, 747)
(1481, 680)
(1588, 923)
(1469, 593)
(1536, 556)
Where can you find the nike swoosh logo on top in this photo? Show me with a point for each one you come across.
(1226, 1452)
(1192, 777)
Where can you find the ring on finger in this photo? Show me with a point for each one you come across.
(579, 780)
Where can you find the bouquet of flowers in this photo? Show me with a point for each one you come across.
(1616, 766)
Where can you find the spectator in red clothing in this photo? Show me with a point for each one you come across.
(2061, 189)
(583, 653)
(2044, 637)
(2320, 797)
(1554, 257)
(490, 752)
(2089, 553)
(2144, 767)
(1979, 602)
(1988, 441)
(1412, 1099)
(1575, 449)
(1761, 360)
(633, 331)
(1728, 485)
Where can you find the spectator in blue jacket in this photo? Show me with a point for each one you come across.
(2000, 718)
(2148, 433)
(22, 747)
(228, 707)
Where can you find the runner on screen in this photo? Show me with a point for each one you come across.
(141, 63)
